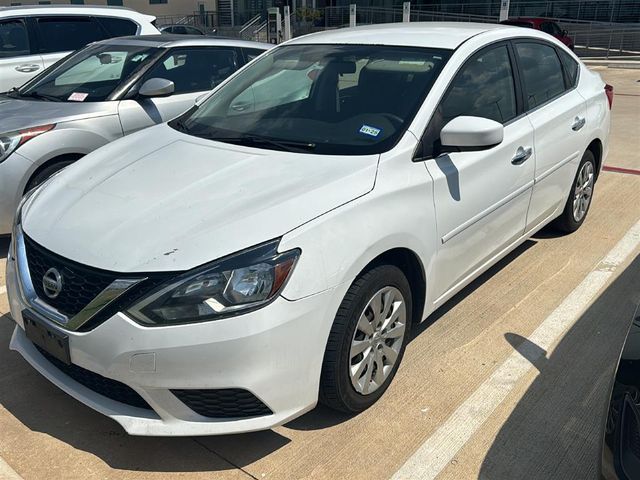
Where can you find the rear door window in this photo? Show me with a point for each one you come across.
(62, 34)
(14, 38)
(541, 71)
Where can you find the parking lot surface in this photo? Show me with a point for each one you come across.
(507, 380)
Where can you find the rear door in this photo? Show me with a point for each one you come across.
(193, 70)
(558, 114)
(481, 196)
(19, 59)
(60, 35)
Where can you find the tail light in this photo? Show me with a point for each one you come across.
(608, 89)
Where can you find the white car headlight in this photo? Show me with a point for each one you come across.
(236, 284)
(12, 140)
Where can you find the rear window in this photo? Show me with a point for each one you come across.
(118, 27)
(63, 34)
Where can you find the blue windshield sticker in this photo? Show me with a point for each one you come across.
(369, 130)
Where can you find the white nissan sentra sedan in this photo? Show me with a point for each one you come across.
(271, 247)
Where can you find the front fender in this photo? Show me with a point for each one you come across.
(338, 245)
(73, 138)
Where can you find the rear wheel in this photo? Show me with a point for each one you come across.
(579, 201)
(367, 340)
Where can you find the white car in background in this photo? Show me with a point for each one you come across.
(225, 271)
(33, 37)
(99, 93)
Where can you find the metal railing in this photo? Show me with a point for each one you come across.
(592, 39)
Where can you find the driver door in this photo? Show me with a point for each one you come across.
(481, 196)
(194, 71)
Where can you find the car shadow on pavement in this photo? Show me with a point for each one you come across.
(554, 431)
(43, 408)
(469, 289)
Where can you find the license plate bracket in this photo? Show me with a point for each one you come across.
(49, 339)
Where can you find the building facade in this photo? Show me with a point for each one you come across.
(237, 12)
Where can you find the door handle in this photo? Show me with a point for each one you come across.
(578, 123)
(522, 155)
(27, 68)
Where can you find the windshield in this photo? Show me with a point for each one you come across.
(91, 75)
(339, 99)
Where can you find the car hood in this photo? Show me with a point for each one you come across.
(16, 113)
(160, 200)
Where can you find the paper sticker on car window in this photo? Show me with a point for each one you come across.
(78, 97)
(369, 130)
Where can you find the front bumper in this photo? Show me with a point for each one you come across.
(275, 353)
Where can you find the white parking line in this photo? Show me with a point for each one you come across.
(439, 449)
(8, 473)
(3, 289)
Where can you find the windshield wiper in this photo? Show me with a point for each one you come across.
(40, 96)
(256, 140)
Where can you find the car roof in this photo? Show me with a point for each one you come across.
(99, 10)
(448, 35)
(171, 41)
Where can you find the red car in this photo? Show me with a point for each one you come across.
(546, 25)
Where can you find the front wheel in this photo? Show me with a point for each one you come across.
(579, 201)
(367, 340)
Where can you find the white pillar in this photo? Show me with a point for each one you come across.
(406, 12)
(287, 23)
(504, 10)
(352, 15)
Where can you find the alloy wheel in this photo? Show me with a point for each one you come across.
(583, 191)
(377, 340)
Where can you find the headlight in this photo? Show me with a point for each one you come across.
(236, 284)
(10, 141)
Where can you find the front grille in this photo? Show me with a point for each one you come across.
(104, 386)
(80, 284)
(223, 403)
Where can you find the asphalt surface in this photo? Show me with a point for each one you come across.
(543, 421)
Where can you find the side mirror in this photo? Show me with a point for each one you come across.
(472, 132)
(565, 33)
(157, 87)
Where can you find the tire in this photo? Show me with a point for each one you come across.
(337, 390)
(568, 221)
(41, 176)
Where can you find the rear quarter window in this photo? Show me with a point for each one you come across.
(118, 27)
(571, 68)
